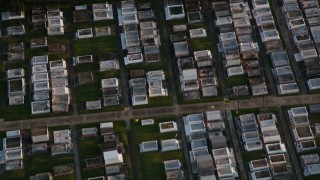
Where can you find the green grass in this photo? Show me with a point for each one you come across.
(56, 128)
(198, 25)
(44, 162)
(198, 44)
(94, 24)
(119, 126)
(154, 101)
(95, 45)
(236, 81)
(314, 177)
(3, 134)
(14, 175)
(314, 118)
(87, 67)
(69, 177)
(10, 113)
(108, 74)
(248, 156)
(90, 147)
(176, 22)
(39, 163)
(150, 164)
(140, 131)
(161, 101)
(103, 109)
(92, 173)
(147, 66)
(157, 102)
(89, 92)
(93, 151)
(316, 91)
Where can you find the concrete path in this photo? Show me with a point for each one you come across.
(131, 146)
(184, 147)
(236, 145)
(288, 43)
(165, 43)
(256, 102)
(74, 139)
(289, 144)
(208, 20)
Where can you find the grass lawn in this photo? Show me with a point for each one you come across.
(236, 81)
(95, 45)
(204, 43)
(161, 101)
(314, 118)
(103, 109)
(121, 129)
(108, 74)
(39, 163)
(256, 111)
(316, 91)
(254, 155)
(151, 132)
(85, 174)
(58, 40)
(10, 113)
(176, 22)
(314, 177)
(90, 147)
(248, 156)
(150, 164)
(147, 66)
(198, 25)
(156, 102)
(85, 67)
(94, 24)
(93, 151)
(89, 92)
